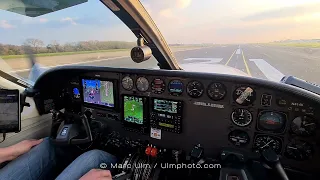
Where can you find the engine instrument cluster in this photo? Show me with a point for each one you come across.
(179, 111)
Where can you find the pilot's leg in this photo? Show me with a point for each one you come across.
(35, 164)
(85, 162)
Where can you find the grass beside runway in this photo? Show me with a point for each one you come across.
(89, 52)
(307, 45)
(62, 53)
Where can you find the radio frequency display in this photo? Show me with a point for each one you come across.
(165, 106)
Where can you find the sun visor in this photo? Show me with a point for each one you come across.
(34, 8)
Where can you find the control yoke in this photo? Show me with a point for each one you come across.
(235, 164)
(272, 159)
(70, 133)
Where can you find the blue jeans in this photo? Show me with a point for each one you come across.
(39, 162)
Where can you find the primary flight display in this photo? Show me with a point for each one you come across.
(98, 92)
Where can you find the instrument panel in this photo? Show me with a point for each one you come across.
(180, 110)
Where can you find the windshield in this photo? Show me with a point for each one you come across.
(261, 39)
(264, 39)
(85, 34)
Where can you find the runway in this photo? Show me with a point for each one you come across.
(266, 62)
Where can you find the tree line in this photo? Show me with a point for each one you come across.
(37, 46)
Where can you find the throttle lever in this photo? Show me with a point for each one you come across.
(272, 159)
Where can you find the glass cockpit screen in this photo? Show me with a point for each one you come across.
(133, 109)
(9, 111)
(98, 92)
(167, 106)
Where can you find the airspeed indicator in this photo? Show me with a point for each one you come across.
(127, 83)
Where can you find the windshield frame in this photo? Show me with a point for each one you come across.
(133, 14)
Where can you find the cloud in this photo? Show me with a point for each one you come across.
(43, 20)
(68, 19)
(166, 13)
(5, 24)
(166, 7)
(285, 12)
(183, 3)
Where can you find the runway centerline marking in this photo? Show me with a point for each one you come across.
(230, 57)
(238, 51)
(246, 65)
(268, 70)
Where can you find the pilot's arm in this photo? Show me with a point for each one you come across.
(12, 152)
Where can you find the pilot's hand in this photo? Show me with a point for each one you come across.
(97, 174)
(22, 147)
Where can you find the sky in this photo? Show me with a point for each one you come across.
(180, 21)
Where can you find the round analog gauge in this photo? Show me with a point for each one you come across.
(195, 89)
(158, 86)
(244, 95)
(127, 83)
(241, 117)
(239, 138)
(303, 126)
(271, 121)
(216, 91)
(175, 87)
(299, 150)
(264, 142)
(142, 84)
